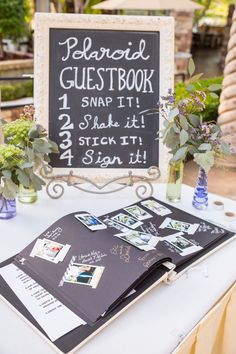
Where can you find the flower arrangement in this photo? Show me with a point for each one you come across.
(26, 147)
(184, 130)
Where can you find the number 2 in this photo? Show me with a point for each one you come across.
(67, 124)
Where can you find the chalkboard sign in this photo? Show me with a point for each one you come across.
(102, 74)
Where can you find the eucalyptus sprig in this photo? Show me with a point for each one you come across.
(184, 130)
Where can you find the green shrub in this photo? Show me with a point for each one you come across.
(14, 92)
(212, 104)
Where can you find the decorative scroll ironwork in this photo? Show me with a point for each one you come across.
(55, 182)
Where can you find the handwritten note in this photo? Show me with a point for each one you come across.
(91, 257)
(53, 234)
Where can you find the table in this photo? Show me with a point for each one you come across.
(215, 333)
(158, 321)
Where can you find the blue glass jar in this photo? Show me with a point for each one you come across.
(200, 197)
(7, 208)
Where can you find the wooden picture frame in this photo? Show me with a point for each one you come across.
(45, 22)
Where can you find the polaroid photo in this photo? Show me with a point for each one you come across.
(114, 224)
(36, 247)
(49, 250)
(185, 246)
(127, 220)
(141, 240)
(138, 213)
(90, 221)
(83, 274)
(156, 207)
(179, 226)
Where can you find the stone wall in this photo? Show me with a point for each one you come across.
(183, 38)
(11, 114)
(183, 30)
(16, 67)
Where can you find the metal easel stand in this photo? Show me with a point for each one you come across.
(55, 182)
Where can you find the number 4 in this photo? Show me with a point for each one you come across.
(66, 155)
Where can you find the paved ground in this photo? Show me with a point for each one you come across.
(220, 180)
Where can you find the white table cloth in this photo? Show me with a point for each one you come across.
(157, 322)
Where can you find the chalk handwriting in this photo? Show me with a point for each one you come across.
(122, 251)
(150, 257)
(91, 257)
(117, 81)
(86, 52)
(53, 234)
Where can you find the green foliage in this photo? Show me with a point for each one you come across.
(13, 18)
(89, 10)
(191, 67)
(30, 137)
(17, 132)
(210, 112)
(184, 130)
(10, 156)
(16, 91)
(206, 160)
(27, 148)
(217, 9)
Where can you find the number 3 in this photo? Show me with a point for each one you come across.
(66, 143)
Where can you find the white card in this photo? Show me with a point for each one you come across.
(183, 245)
(83, 274)
(137, 212)
(156, 207)
(54, 318)
(179, 226)
(49, 250)
(127, 220)
(141, 240)
(90, 221)
(115, 224)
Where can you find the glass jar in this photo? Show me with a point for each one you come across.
(175, 179)
(200, 197)
(7, 208)
(27, 195)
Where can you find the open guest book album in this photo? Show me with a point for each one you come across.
(83, 271)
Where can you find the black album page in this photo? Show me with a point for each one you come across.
(181, 236)
(88, 271)
(75, 338)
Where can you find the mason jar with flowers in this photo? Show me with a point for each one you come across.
(33, 140)
(185, 133)
(25, 150)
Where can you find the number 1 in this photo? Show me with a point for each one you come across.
(64, 102)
